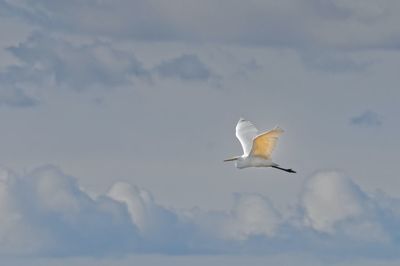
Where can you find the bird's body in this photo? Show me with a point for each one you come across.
(253, 161)
(257, 147)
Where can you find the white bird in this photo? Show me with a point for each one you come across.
(257, 147)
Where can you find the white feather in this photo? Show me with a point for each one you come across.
(246, 132)
(257, 148)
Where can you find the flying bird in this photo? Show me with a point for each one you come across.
(257, 147)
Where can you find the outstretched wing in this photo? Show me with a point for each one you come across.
(245, 132)
(264, 144)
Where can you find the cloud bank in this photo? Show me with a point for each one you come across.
(326, 35)
(340, 24)
(46, 213)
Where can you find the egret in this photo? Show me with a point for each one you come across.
(257, 147)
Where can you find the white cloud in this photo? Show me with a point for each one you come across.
(334, 204)
(16, 233)
(138, 203)
(252, 215)
(329, 198)
(46, 213)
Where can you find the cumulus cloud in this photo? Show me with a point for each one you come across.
(45, 212)
(329, 198)
(367, 118)
(251, 215)
(333, 204)
(159, 228)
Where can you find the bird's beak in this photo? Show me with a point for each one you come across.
(231, 159)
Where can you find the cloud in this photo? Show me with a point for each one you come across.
(252, 215)
(46, 213)
(289, 23)
(159, 228)
(333, 204)
(15, 89)
(333, 61)
(326, 35)
(367, 118)
(13, 96)
(55, 63)
(185, 67)
(46, 59)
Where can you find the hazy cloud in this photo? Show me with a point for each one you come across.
(78, 67)
(332, 61)
(14, 96)
(325, 34)
(185, 67)
(290, 23)
(367, 118)
(49, 62)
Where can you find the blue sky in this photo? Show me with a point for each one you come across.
(116, 116)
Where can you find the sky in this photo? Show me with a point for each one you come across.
(116, 117)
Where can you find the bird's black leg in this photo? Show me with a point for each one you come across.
(284, 169)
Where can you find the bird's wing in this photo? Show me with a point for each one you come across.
(264, 144)
(245, 132)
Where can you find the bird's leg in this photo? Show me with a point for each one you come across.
(284, 169)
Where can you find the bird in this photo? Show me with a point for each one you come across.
(257, 147)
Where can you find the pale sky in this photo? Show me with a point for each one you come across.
(116, 117)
